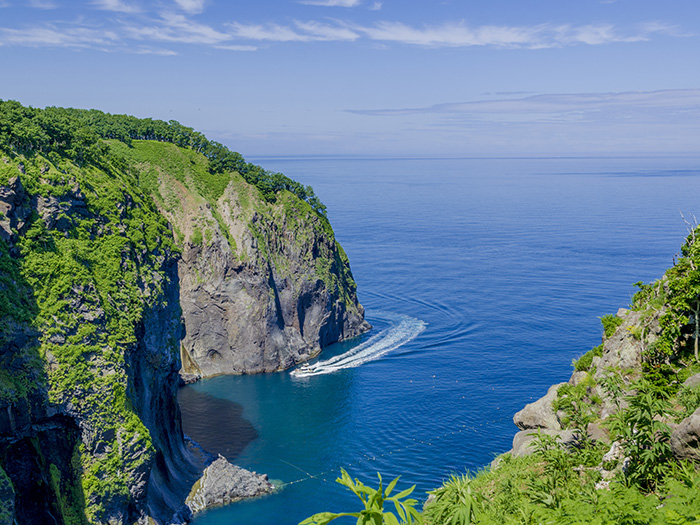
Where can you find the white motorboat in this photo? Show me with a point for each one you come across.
(303, 370)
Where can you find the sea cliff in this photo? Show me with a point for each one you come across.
(128, 247)
(619, 442)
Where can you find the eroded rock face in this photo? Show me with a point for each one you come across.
(692, 382)
(623, 349)
(523, 442)
(54, 430)
(263, 288)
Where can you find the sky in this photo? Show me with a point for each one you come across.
(424, 78)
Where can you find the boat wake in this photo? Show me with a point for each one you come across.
(402, 330)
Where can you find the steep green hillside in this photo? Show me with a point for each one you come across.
(96, 211)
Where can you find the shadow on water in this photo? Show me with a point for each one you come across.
(216, 424)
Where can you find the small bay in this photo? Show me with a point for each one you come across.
(489, 273)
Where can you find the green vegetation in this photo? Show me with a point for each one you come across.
(7, 493)
(373, 501)
(90, 256)
(79, 135)
(610, 324)
(586, 360)
(644, 484)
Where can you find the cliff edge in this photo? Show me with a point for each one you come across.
(127, 247)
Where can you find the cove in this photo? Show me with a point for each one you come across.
(506, 262)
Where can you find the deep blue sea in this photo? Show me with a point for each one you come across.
(484, 278)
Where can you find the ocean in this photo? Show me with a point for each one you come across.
(483, 279)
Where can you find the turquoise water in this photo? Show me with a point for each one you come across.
(483, 278)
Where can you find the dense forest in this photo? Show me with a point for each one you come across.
(76, 133)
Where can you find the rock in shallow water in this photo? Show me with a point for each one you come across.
(223, 483)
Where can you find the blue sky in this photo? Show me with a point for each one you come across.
(373, 77)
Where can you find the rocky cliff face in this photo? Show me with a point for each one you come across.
(263, 286)
(91, 429)
(100, 308)
(620, 360)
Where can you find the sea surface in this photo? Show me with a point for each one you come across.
(483, 279)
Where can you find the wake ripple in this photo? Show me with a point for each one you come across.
(403, 329)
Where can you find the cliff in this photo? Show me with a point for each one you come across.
(118, 260)
(619, 442)
(263, 285)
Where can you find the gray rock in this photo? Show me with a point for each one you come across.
(685, 439)
(577, 377)
(692, 381)
(596, 432)
(539, 414)
(523, 440)
(223, 483)
(615, 454)
(623, 350)
(262, 290)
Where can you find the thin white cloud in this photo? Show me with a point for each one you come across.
(236, 48)
(159, 52)
(42, 4)
(269, 32)
(562, 107)
(301, 32)
(178, 29)
(647, 121)
(376, 6)
(320, 31)
(451, 34)
(534, 37)
(135, 30)
(116, 5)
(53, 37)
(191, 6)
(332, 3)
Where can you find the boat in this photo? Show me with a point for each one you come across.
(303, 370)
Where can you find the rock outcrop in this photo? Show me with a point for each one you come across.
(223, 483)
(263, 286)
(685, 439)
(524, 440)
(621, 351)
(539, 414)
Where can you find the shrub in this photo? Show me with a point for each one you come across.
(373, 500)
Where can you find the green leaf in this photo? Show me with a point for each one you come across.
(404, 493)
(320, 519)
(391, 486)
(390, 519)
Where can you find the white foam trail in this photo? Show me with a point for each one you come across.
(402, 330)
